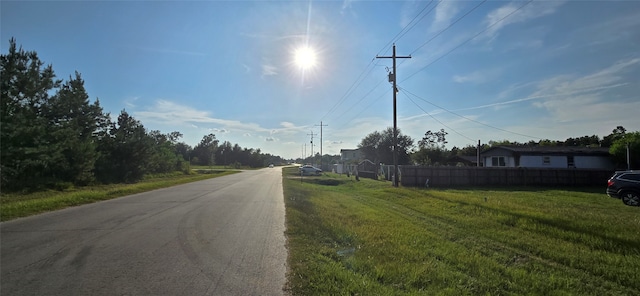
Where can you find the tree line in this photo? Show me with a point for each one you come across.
(430, 150)
(52, 136)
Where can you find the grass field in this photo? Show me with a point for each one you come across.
(15, 205)
(368, 238)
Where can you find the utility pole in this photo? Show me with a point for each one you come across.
(321, 125)
(311, 134)
(393, 77)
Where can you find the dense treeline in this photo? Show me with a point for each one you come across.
(431, 149)
(52, 136)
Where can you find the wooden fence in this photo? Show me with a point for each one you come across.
(483, 176)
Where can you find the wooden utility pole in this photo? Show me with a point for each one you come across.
(393, 77)
(321, 125)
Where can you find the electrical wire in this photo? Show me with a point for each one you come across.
(419, 107)
(368, 70)
(469, 119)
(403, 32)
(450, 25)
(466, 41)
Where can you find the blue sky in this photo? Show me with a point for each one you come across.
(491, 70)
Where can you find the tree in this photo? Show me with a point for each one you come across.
(25, 89)
(163, 156)
(125, 152)
(616, 134)
(618, 150)
(205, 150)
(378, 147)
(72, 126)
(431, 148)
(434, 140)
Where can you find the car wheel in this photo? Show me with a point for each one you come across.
(630, 198)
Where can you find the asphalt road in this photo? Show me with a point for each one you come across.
(223, 236)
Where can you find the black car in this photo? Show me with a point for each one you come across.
(626, 186)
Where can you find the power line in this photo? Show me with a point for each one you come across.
(450, 25)
(455, 131)
(401, 33)
(469, 119)
(466, 41)
(363, 97)
(362, 75)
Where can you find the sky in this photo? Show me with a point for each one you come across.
(480, 70)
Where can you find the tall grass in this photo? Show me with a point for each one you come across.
(15, 205)
(368, 238)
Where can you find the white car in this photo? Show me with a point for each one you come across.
(310, 170)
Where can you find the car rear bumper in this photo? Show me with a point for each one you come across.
(612, 193)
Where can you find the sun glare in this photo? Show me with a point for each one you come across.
(305, 57)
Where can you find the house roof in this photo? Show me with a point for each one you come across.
(348, 150)
(467, 158)
(552, 150)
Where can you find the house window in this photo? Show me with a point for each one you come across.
(571, 162)
(498, 161)
(546, 160)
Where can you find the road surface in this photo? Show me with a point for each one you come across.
(223, 236)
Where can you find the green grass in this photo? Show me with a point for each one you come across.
(15, 205)
(368, 238)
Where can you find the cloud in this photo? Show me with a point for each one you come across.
(566, 100)
(477, 77)
(130, 102)
(169, 113)
(169, 51)
(607, 76)
(220, 130)
(504, 16)
(445, 11)
(269, 70)
(270, 139)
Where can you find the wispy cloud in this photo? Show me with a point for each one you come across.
(496, 18)
(167, 112)
(445, 12)
(170, 113)
(269, 70)
(169, 51)
(477, 77)
(130, 102)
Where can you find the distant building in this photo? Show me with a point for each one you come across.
(547, 157)
(350, 155)
(347, 157)
(464, 160)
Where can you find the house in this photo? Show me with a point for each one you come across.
(464, 160)
(547, 157)
(347, 157)
(350, 155)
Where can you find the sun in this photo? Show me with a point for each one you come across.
(305, 57)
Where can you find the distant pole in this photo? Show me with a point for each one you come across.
(395, 121)
(311, 134)
(478, 154)
(628, 158)
(321, 125)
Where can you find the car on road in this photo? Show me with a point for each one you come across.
(625, 185)
(310, 170)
